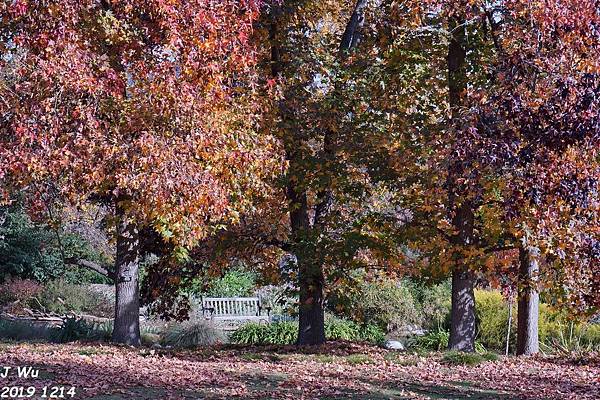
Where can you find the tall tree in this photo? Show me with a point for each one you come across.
(150, 108)
(308, 208)
(462, 324)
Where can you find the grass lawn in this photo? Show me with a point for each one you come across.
(335, 371)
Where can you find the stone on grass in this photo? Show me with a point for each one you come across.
(393, 345)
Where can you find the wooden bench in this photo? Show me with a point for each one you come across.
(235, 310)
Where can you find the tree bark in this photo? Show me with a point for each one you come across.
(462, 328)
(312, 311)
(127, 306)
(529, 302)
(508, 328)
(310, 273)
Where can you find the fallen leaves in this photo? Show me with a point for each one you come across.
(288, 372)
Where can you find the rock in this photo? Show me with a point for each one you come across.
(394, 345)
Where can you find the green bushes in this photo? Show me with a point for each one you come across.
(192, 334)
(237, 282)
(557, 333)
(281, 332)
(386, 303)
(432, 341)
(254, 333)
(434, 304)
(492, 319)
(73, 329)
(286, 332)
(31, 250)
(437, 340)
(341, 329)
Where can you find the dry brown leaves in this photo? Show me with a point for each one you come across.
(337, 370)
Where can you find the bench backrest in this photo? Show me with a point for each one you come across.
(232, 306)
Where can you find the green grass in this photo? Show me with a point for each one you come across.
(88, 352)
(324, 358)
(356, 359)
(402, 359)
(261, 357)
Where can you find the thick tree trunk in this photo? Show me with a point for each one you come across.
(310, 273)
(311, 279)
(127, 307)
(462, 328)
(312, 312)
(529, 302)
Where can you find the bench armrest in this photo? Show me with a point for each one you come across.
(260, 308)
(211, 311)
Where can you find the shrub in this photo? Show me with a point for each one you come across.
(341, 329)
(73, 329)
(259, 334)
(62, 297)
(492, 319)
(102, 331)
(282, 333)
(557, 333)
(31, 250)
(435, 302)
(438, 340)
(564, 337)
(386, 303)
(193, 333)
(21, 291)
(590, 335)
(237, 282)
(372, 334)
(432, 341)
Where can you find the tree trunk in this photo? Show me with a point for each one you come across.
(312, 313)
(310, 273)
(127, 307)
(462, 328)
(508, 328)
(529, 302)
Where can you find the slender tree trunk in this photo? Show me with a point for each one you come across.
(510, 305)
(529, 302)
(127, 307)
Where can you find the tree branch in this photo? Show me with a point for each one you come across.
(91, 266)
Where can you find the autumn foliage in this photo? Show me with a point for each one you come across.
(151, 102)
